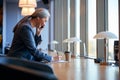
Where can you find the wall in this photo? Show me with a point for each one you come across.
(12, 14)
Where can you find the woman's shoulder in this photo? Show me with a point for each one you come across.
(25, 26)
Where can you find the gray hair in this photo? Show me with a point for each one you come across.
(40, 12)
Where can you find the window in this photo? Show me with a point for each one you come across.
(112, 24)
(91, 28)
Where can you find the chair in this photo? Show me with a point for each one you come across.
(26, 63)
(116, 50)
(18, 69)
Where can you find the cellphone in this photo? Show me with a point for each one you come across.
(41, 27)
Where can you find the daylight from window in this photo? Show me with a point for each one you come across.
(112, 24)
(91, 28)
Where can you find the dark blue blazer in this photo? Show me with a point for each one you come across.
(24, 44)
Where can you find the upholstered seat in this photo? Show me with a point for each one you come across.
(18, 69)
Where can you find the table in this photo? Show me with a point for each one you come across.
(84, 69)
(67, 70)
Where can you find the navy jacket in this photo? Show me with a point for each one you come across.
(24, 44)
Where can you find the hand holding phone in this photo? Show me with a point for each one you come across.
(38, 30)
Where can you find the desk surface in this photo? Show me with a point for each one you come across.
(84, 69)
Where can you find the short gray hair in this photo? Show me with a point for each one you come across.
(41, 12)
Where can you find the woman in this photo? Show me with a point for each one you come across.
(25, 41)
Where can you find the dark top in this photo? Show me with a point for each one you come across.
(24, 44)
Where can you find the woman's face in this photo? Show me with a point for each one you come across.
(41, 22)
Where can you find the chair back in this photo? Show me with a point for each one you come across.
(15, 68)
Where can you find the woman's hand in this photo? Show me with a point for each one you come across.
(38, 31)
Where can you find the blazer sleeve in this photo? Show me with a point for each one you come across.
(38, 39)
(29, 41)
